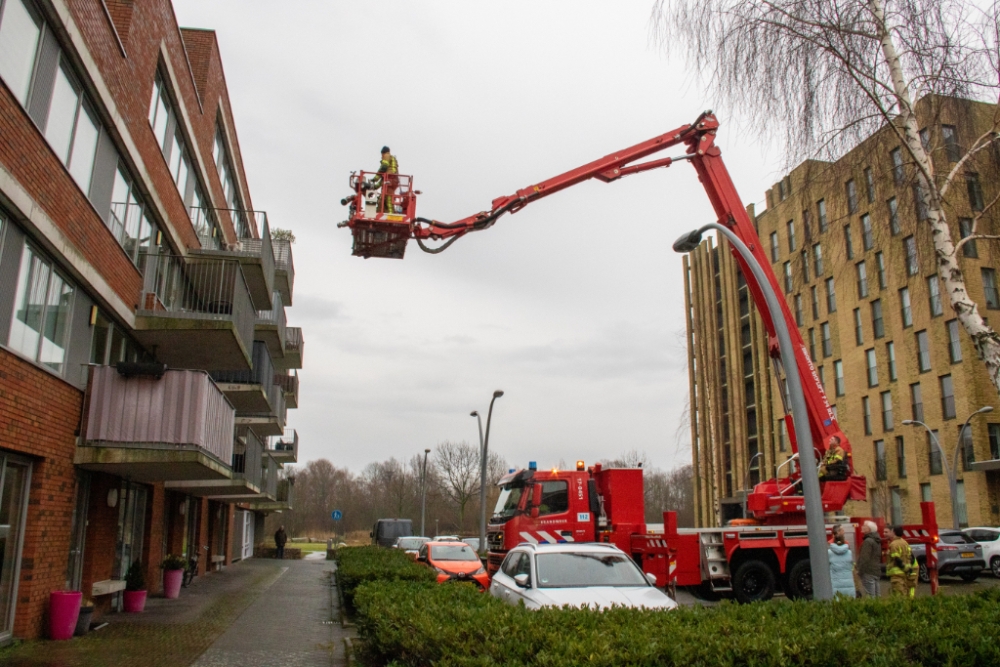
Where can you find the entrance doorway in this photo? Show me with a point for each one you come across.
(131, 530)
(15, 478)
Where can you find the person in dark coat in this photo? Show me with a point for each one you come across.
(280, 537)
(870, 560)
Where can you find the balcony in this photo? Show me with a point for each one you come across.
(165, 426)
(293, 350)
(255, 255)
(270, 327)
(290, 385)
(247, 472)
(196, 314)
(249, 391)
(284, 269)
(285, 449)
(279, 495)
(271, 420)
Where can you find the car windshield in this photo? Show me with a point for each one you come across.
(957, 538)
(576, 570)
(453, 552)
(510, 497)
(410, 543)
(472, 542)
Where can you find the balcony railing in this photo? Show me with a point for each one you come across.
(255, 254)
(271, 324)
(284, 269)
(293, 349)
(290, 385)
(266, 418)
(285, 448)
(177, 426)
(249, 391)
(196, 314)
(248, 457)
(206, 226)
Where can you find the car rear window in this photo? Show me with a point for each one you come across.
(575, 570)
(453, 552)
(411, 543)
(956, 538)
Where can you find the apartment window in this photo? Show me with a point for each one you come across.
(774, 247)
(934, 296)
(782, 435)
(782, 190)
(954, 345)
(896, 513)
(72, 129)
(812, 344)
(852, 196)
(859, 334)
(848, 245)
(160, 114)
(951, 148)
(42, 311)
(925, 139)
(881, 470)
(923, 352)
(910, 246)
(822, 376)
(872, 364)
(821, 214)
(898, 173)
(934, 453)
(870, 184)
(900, 457)
(947, 397)
(925, 493)
(920, 202)
(968, 449)
(890, 353)
(963, 509)
(20, 32)
(975, 192)
(111, 343)
(990, 288)
(226, 177)
(838, 377)
(831, 296)
(798, 309)
(866, 411)
(994, 433)
(887, 423)
(817, 260)
(807, 225)
(916, 402)
(965, 229)
(790, 226)
(906, 311)
(827, 341)
(815, 301)
(127, 219)
(788, 277)
(867, 237)
(805, 267)
(893, 216)
(880, 267)
(878, 324)
(862, 276)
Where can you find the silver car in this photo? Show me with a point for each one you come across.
(957, 554)
(410, 545)
(597, 576)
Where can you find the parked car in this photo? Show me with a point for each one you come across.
(446, 538)
(454, 561)
(989, 540)
(411, 545)
(385, 531)
(591, 575)
(472, 542)
(957, 555)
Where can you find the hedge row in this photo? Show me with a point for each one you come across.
(414, 623)
(357, 565)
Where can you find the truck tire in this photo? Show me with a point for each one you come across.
(753, 582)
(800, 581)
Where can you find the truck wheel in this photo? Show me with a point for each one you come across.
(924, 575)
(754, 582)
(800, 581)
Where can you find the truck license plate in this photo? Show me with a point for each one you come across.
(968, 555)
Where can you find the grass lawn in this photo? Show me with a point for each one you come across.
(307, 547)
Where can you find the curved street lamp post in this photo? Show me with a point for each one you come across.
(484, 444)
(423, 493)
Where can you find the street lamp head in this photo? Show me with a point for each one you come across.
(907, 422)
(985, 408)
(427, 451)
(498, 393)
(474, 413)
(688, 242)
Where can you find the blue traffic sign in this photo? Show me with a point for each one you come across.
(337, 515)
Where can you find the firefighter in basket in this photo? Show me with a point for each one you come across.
(387, 179)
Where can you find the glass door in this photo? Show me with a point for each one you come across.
(248, 534)
(74, 569)
(14, 481)
(131, 529)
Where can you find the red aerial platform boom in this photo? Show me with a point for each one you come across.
(383, 220)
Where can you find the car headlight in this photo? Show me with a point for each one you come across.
(440, 571)
(481, 570)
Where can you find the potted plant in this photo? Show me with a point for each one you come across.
(86, 614)
(173, 575)
(135, 588)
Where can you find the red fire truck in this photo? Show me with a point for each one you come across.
(750, 560)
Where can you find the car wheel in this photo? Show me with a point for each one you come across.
(925, 575)
(995, 566)
(753, 582)
(800, 581)
(969, 577)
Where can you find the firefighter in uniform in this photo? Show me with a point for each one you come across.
(387, 170)
(834, 465)
(901, 567)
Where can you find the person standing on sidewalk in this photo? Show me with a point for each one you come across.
(280, 537)
(841, 564)
(901, 566)
(870, 560)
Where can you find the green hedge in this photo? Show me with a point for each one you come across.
(357, 565)
(413, 623)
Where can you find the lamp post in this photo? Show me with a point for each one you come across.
(483, 456)
(746, 481)
(815, 524)
(423, 493)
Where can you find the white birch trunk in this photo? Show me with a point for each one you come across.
(984, 338)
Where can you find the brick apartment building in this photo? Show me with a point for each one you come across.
(858, 273)
(145, 363)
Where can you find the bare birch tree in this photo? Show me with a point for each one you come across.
(825, 74)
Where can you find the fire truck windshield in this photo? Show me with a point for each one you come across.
(508, 502)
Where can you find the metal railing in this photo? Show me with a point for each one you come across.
(287, 442)
(248, 456)
(262, 371)
(283, 258)
(270, 478)
(206, 226)
(293, 340)
(276, 399)
(289, 383)
(275, 316)
(204, 289)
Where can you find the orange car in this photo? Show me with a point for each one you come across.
(454, 561)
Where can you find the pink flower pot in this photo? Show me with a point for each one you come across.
(172, 583)
(64, 609)
(134, 601)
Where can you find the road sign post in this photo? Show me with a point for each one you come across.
(336, 515)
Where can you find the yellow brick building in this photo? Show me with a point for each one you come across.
(858, 272)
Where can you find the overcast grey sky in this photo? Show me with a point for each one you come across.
(573, 306)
